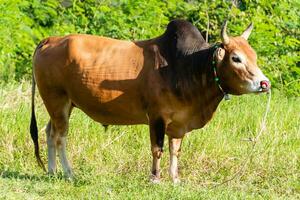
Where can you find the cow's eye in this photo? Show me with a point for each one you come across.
(236, 59)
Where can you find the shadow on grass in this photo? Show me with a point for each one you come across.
(25, 176)
(58, 177)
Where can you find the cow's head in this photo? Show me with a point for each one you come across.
(237, 65)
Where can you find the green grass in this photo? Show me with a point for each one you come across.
(120, 170)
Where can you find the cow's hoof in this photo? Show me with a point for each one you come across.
(50, 173)
(176, 181)
(154, 179)
(69, 176)
(68, 173)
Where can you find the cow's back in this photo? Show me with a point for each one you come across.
(99, 75)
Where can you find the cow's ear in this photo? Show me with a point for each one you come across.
(160, 61)
(220, 54)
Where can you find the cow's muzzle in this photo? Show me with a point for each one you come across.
(265, 86)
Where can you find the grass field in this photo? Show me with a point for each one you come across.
(107, 169)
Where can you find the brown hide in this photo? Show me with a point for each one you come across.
(174, 83)
(101, 76)
(117, 82)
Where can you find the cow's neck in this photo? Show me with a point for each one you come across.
(193, 75)
(201, 89)
(210, 94)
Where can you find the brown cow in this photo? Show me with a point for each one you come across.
(173, 83)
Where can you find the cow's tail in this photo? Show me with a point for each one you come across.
(33, 128)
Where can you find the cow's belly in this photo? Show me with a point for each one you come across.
(109, 105)
(103, 115)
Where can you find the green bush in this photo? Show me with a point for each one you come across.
(23, 23)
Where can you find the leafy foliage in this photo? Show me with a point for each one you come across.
(275, 37)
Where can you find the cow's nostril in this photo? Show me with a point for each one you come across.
(265, 85)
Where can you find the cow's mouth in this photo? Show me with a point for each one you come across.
(259, 86)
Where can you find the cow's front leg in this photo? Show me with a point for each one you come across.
(157, 133)
(174, 147)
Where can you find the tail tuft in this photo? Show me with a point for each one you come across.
(34, 129)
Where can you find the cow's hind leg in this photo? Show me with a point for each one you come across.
(51, 143)
(56, 134)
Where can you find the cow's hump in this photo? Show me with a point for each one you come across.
(185, 37)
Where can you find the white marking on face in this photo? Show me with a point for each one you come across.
(241, 56)
(239, 60)
(255, 83)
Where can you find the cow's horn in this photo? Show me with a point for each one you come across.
(247, 32)
(224, 36)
